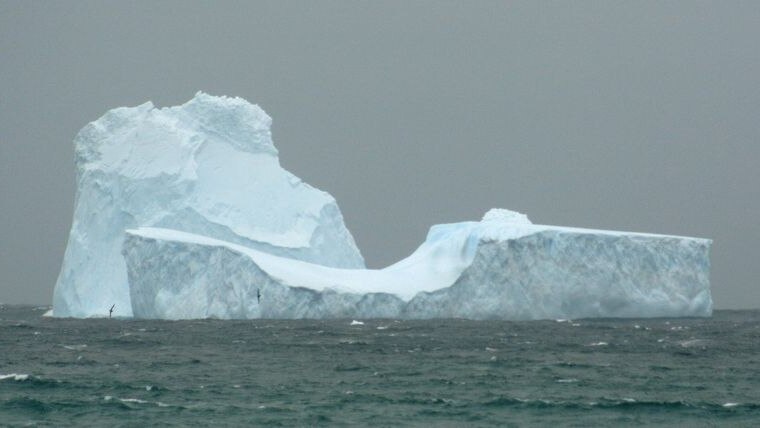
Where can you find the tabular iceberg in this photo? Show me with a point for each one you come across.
(502, 267)
(185, 212)
(207, 167)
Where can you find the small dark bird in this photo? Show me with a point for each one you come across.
(258, 295)
(110, 311)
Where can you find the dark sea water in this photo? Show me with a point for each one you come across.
(101, 372)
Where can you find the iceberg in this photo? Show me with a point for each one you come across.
(185, 212)
(207, 167)
(503, 267)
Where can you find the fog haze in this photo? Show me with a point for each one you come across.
(639, 116)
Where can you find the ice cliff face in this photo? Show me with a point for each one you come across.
(559, 273)
(207, 167)
(502, 267)
(185, 212)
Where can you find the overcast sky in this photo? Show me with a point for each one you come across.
(639, 116)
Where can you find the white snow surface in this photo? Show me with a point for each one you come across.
(501, 267)
(208, 167)
(435, 264)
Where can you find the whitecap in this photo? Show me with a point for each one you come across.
(355, 322)
(382, 327)
(692, 343)
(75, 347)
(571, 380)
(729, 405)
(598, 344)
(14, 376)
(133, 400)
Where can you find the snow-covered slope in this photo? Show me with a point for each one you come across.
(501, 267)
(207, 167)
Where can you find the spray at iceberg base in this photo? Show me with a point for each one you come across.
(185, 212)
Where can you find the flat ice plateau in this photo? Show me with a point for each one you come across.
(477, 270)
(185, 212)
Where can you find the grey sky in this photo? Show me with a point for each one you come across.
(637, 116)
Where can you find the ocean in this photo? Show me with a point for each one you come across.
(379, 372)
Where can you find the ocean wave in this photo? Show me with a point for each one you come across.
(14, 376)
(128, 401)
(27, 379)
(75, 347)
(625, 403)
(25, 404)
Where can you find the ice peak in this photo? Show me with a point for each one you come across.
(208, 167)
(502, 215)
(246, 126)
